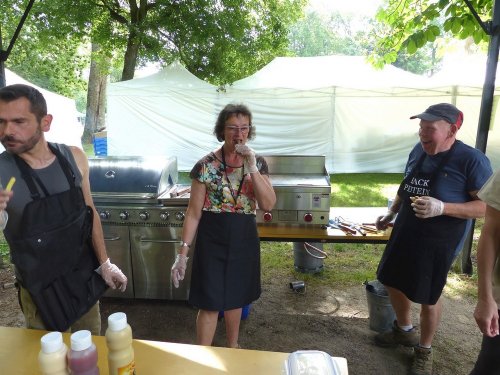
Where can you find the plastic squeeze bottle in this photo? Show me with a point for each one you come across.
(52, 357)
(119, 342)
(82, 357)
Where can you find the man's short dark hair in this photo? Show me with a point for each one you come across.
(38, 105)
(232, 110)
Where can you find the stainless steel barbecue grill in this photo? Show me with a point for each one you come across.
(142, 233)
(302, 187)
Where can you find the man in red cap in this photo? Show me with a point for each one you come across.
(436, 198)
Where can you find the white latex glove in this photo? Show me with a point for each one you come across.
(383, 221)
(113, 276)
(426, 207)
(179, 269)
(4, 217)
(249, 162)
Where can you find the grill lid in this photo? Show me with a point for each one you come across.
(132, 176)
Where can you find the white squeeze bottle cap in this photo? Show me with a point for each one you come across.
(81, 340)
(51, 342)
(117, 321)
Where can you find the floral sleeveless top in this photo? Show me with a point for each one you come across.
(222, 195)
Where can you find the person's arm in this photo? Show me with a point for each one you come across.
(193, 215)
(264, 192)
(426, 207)
(97, 233)
(113, 276)
(468, 210)
(189, 228)
(486, 312)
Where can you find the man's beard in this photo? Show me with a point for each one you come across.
(22, 147)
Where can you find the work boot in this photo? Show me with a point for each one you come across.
(422, 361)
(397, 336)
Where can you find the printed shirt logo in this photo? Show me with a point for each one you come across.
(418, 186)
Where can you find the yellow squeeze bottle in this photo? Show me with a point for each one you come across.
(119, 342)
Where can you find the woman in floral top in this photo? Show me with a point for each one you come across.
(227, 186)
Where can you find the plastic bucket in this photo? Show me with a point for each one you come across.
(245, 310)
(381, 313)
(308, 257)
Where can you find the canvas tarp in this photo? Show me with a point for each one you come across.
(65, 127)
(337, 106)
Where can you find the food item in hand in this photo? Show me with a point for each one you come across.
(10, 184)
(414, 198)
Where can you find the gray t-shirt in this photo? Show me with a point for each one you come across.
(490, 194)
(52, 177)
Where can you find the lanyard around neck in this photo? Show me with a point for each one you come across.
(229, 182)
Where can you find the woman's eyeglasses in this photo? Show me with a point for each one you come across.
(236, 129)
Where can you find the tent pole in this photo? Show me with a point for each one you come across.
(493, 29)
(5, 54)
(2, 65)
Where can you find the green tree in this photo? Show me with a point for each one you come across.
(316, 35)
(411, 25)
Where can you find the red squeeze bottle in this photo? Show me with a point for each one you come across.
(82, 358)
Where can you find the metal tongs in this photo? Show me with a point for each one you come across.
(350, 228)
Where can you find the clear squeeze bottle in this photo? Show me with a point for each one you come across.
(82, 357)
(52, 357)
(119, 342)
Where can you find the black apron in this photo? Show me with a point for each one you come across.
(420, 252)
(226, 262)
(54, 257)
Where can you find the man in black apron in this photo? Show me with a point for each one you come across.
(53, 230)
(436, 198)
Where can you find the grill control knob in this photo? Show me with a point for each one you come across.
(308, 217)
(104, 215)
(164, 216)
(179, 215)
(267, 216)
(143, 216)
(124, 215)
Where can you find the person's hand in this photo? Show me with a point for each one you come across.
(486, 315)
(112, 275)
(179, 269)
(426, 207)
(383, 221)
(249, 162)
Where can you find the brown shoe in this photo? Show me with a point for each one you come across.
(397, 336)
(422, 361)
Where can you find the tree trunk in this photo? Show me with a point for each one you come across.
(95, 119)
(130, 59)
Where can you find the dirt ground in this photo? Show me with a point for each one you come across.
(328, 319)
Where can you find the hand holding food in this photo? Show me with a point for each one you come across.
(249, 162)
(383, 221)
(426, 207)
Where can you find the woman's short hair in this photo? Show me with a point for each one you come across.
(232, 110)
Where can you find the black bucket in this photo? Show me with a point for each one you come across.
(308, 257)
(380, 310)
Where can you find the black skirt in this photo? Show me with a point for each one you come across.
(226, 262)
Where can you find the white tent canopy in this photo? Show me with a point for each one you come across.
(65, 127)
(337, 106)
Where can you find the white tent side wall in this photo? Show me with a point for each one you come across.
(361, 128)
(171, 113)
(65, 126)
